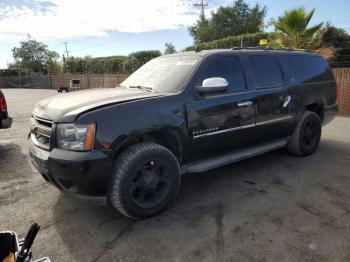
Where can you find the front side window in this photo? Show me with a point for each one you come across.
(227, 67)
(266, 70)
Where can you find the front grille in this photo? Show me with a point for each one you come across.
(41, 132)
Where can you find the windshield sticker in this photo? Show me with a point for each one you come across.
(191, 63)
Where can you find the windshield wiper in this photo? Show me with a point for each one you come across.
(149, 89)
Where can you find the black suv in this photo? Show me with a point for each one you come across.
(183, 113)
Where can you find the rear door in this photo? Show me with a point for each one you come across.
(220, 122)
(273, 100)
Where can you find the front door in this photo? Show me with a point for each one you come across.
(221, 122)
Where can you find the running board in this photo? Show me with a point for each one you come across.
(232, 157)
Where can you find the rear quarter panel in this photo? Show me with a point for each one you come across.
(317, 88)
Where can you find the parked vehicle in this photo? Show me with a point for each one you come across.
(74, 85)
(5, 120)
(182, 113)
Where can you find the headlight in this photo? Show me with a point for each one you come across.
(75, 137)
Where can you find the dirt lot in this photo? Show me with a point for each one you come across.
(274, 207)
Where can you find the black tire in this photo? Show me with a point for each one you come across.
(306, 136)
(145, 180)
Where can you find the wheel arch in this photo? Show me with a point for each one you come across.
(169, 138)
(316, 107)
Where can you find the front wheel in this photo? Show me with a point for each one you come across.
(145, 180)
(306, 136)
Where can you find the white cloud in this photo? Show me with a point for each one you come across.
(3, 63)
(92, 18)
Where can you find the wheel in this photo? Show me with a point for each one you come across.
(145, 180)
(306, 136)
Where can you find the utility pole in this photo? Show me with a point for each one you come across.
(65, 43)
(202, 5)
(132, 62)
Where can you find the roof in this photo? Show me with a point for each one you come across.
(203, 53)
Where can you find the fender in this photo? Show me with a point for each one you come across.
(119, 125)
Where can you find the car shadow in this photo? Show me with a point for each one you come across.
(16, 173)
(205, 201)
(12, 162)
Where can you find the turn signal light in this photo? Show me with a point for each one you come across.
(90, 135)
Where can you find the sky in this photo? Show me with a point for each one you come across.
(119, 27)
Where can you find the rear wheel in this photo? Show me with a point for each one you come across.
(145, 180)
(306, 136)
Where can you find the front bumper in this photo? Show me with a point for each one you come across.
(6, 123)
(85, 175)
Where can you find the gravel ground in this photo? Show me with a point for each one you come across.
(275, 207)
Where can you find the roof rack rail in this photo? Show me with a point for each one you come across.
(268, 48)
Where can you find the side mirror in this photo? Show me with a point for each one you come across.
(213, 85)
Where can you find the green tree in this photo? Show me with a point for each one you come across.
(229, 21)
(293, 26)
(35, 56)
(201, 31)
(169, 49)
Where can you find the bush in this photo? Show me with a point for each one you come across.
(108, 65)
(249, 40)
(98, 65)
(137, 59)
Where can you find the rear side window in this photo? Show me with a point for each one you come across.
(266, 70)
(227, 67)
(308, 68)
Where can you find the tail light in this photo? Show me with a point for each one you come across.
(3, 105)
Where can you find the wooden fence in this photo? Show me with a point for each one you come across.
(342, 76)
(88, 81)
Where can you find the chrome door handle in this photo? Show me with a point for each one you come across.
(287, 100)
(245, 103)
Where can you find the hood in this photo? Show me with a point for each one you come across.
(66, 107)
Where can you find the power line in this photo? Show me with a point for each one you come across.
(113, 41)
(134, 41)
(105, 43)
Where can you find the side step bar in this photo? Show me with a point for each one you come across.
(232, 157)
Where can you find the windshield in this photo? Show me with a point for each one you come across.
(164, 74)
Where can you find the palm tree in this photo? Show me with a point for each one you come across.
(293, 27)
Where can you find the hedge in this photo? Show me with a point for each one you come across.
(249, 40)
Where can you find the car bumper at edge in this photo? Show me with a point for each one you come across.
(84, 175)
(6, 123)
